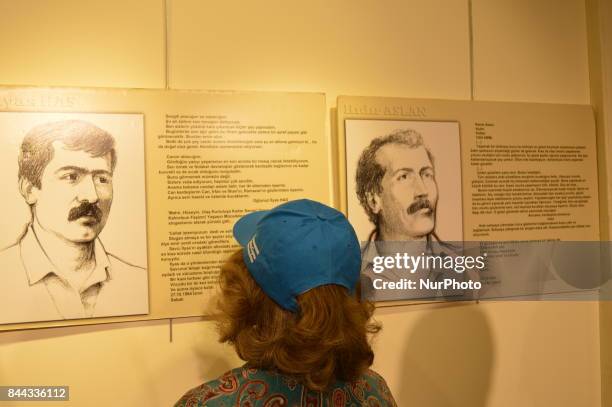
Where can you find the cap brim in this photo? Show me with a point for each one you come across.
(245, 228)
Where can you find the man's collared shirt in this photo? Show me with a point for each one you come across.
(32, 289)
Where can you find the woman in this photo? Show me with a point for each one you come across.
(288, 305)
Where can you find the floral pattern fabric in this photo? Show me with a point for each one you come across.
(249, 387)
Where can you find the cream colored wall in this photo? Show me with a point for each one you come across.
(599, 14)
(488, 354)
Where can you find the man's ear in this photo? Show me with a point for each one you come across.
(28, 191)
(373, 201)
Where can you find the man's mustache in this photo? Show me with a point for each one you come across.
(420, 204)
(85, 209)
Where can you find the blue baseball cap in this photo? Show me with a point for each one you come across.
(297, 246)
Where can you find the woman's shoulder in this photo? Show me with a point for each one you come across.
(224, 386)
(240, 384)
(261, 386)
(374, 389)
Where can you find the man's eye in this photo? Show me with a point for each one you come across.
(102, 179)
(402, 176)
(71, 176)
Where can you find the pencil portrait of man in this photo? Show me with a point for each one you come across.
(396, 185)
(58, 268)
(405, 174)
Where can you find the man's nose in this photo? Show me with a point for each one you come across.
(420, 191)
(87, 190)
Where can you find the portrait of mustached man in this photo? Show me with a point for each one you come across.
(58, 268)
(396, 186)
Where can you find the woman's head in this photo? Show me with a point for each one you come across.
(288, 300)
(326, 340)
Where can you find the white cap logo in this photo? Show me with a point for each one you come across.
(252, 250)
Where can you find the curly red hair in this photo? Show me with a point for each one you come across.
(327, 340)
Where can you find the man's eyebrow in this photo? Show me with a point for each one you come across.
(105, 172)
(407, 169)
(70, 168)
(425, 168)
(82, 170)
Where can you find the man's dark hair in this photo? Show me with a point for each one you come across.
(37, 146)
(370, 173)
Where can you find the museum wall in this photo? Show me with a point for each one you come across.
(599, 24)
(486, 354)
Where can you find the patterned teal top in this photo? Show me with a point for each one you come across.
(249, 387)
